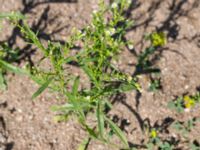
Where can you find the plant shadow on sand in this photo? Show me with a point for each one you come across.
(169, 26)
(39, 27)
(6, 145)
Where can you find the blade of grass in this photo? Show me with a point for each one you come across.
(84, 144)
(2, 82)
(12, 16)
(100, 119)
(41, 89)
(91, 132)
(65, 107)
(90, 75)
(12, 68)
(74, 99)
(117, 131)
(75, 86)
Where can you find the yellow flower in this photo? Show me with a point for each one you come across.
(158, 39)
(153, 133)
(188, 101)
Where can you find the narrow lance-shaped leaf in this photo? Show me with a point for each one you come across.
(2, 82)
(100, 119)
(73, 98)
(30, 35)
(117, 131)
(84, 144)
(64, 107)
(41, 89)
(90, 75)
(91, 132)
(12, 68)
(12, 16)
(75, 86)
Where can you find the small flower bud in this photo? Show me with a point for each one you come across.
(110, 31)
(129, 79)
(129, 1)
(87, 97)
(94, 11)
(130, 46)
(114, 5)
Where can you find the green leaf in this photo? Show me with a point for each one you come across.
(108, 104)
(12, 68)
(100, 119)
(90, 75)
(75, 86)
(75, 101)
(117, 131)
(2, 82)
(91, 132)
(30, 35)
(194, 147)
(67, 60)
(171, 105)
(12, 16)
(64, 107)
(60, 118)
(83, 145)
(41, 89)
(124, 87)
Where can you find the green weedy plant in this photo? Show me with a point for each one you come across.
(7, 56)
(184, 103)
(101, 42)
(154, 139)
(184, 128)
(155, 85)
(144, 63)
(145, 58)
(156, 142)
(195, 146)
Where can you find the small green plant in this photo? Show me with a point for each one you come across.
(155, 85)
(146, 58)
(7, 56)
(155, 142)
(184, 103)
(184, 128)
(155, 139)
(195, 145)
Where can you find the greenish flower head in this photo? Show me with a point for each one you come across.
(158, 39)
